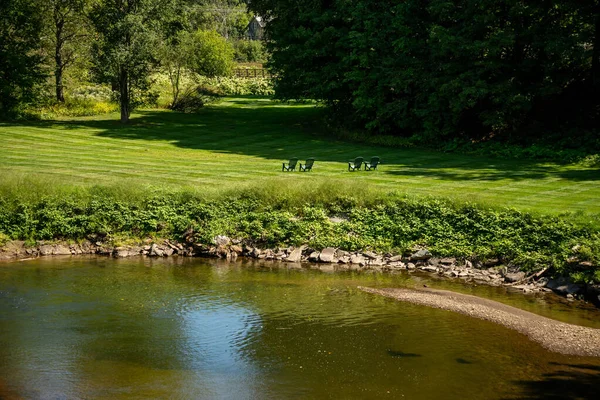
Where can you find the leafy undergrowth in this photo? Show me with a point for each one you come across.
(380, 222)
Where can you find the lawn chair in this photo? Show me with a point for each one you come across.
(372, 164)
(308, 165)
(291, 166)
(356, 164)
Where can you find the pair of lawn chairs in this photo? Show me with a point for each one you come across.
(291, 166)
(355, 164)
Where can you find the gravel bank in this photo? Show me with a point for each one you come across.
(555, 336)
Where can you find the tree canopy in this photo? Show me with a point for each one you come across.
(442, 68)
(20, 60)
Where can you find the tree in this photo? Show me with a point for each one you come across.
(440, 69)
(129, 34)
(209, 53)
(228, 17)
(20, 60)
(68, 26)
(202, 52)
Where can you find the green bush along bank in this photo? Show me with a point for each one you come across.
(382, 222)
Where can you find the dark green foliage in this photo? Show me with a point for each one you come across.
(396, 225)
(194, 98)
(128, 38)
(474, 70)
(20, 60)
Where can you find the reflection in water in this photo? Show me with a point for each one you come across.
(100, 328)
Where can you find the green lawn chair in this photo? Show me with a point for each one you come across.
(308, 165)
(291, 166)
(372, 164)
(356, 164)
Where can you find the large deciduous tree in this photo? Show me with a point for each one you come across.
(20, 59)
(128, 36)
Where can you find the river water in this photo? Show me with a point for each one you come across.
(98, 328)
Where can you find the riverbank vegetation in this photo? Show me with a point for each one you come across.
(283, 214)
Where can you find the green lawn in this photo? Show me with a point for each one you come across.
(244, 140)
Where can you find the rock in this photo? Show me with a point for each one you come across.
(514, 277)
(571, 288)
(341, 253)
(45, 250)
(554, 283)
(421, 255)
(121, 252)
(378, 262)
(327, 255)
(344, 260)
(237, 248)
(428, 268)
(468, 264)
(221, 240)
(491, 262)
(570, 296)
(357, 259)
(448, 261)
(314, 256)
(396, 258)
(155, 251)
(167, 252)
(371, 255)
(397, 265)
(410, 266)
(295, 256)
(542, 282)
(255, 252)
(60, 250)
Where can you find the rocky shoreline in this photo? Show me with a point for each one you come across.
(489, 273)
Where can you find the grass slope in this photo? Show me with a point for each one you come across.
(242, 141)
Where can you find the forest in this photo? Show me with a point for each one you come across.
(444, 70)
(459, 72)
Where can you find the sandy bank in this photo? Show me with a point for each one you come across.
(554, 335)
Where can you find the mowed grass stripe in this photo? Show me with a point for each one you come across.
(245, 140)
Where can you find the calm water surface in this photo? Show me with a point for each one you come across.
(99, 328)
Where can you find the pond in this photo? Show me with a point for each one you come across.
(187, 328)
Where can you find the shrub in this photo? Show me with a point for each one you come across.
(249, 51)
(240, 86)
(194, 98)
(271, 219)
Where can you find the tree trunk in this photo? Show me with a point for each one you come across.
(58, 67)
(60, 96)
(124, 95)
(596, 51)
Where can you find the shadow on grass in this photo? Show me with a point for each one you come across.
(572, 381)
(256, 127)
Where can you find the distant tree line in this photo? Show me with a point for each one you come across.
(441, 69)
(117, 42)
